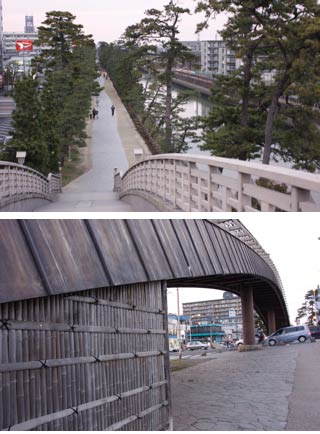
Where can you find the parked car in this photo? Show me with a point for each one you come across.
(173, 345)
(240, 341)
(197, 345)
(289, 334)
(225, 344)
(315, 331)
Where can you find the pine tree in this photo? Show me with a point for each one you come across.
(69, 63)
(282, 37)
(161, 28)
(28, 125)
(308, 309)
(296, 59)
(60, 35)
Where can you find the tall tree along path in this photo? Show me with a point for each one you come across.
(93, 191)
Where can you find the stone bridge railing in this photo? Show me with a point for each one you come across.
(20, 183)
(196, 183)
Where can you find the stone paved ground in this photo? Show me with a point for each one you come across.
(237, 391)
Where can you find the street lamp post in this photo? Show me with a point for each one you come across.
(21, 156)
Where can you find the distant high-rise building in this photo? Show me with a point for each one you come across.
(29, 24)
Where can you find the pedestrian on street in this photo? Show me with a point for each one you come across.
(261, 337)
(94, 113)
(113, 109)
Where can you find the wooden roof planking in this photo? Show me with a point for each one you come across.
(46, 257)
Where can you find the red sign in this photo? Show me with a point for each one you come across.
(24, 45)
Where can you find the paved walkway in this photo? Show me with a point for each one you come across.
(113, 142)
(272, 389)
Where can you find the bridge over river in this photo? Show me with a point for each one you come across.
(83, 314)
(125, 177)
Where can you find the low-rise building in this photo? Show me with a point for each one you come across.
(206, 332)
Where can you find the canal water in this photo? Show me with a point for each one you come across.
(197, 105)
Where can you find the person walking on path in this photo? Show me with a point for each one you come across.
(113, 109)
(95, 113)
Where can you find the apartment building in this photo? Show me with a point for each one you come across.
(225, 311)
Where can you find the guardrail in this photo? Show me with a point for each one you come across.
(19, 183)
(212, 184)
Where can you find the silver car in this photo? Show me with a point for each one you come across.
(196, 345)
(289, 334)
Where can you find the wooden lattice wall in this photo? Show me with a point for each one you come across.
(94, 360)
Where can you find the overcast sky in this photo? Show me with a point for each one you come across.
(291, 239)
(105, 19)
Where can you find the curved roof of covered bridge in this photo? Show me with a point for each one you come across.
(47, 257)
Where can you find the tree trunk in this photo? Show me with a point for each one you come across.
(272, 113)
(154, 99)
(168, 114)
(246, 88)
(269, 129)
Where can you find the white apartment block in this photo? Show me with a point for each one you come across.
(217, 58)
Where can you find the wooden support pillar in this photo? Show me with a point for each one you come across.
(247, 316)
(271, 321)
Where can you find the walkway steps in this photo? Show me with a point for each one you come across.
(92, 202)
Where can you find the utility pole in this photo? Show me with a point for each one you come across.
(316, 293)
(24, 62)
(179, 326)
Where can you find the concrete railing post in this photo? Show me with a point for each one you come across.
(243, 200)
(210, 171)
(174, 184)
